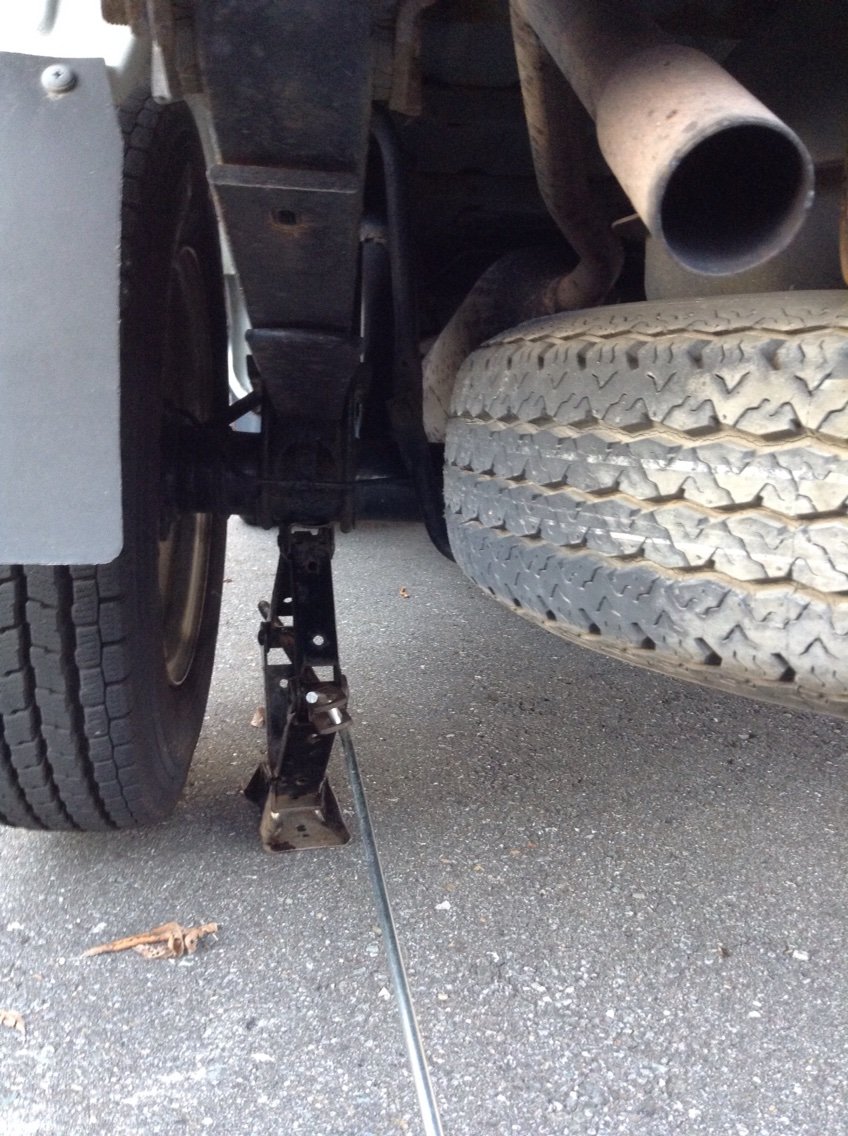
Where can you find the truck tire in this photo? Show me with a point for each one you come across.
(667, 482)
(105, 669)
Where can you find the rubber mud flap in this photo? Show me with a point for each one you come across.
(60, 202)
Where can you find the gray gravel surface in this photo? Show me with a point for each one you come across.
(622, 901)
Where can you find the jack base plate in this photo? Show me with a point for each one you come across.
(293, 824)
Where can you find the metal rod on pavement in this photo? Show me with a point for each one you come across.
(397, 971)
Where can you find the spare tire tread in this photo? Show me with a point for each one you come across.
(668, 484)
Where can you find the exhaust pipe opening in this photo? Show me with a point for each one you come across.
(735, 199)
(709, 169)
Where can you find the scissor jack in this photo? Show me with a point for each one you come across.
(305, 707)
(305, 697)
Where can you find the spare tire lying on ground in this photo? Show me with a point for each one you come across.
(667, 482)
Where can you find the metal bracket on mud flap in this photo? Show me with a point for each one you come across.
(305, 698)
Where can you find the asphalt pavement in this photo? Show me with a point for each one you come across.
(622, 901)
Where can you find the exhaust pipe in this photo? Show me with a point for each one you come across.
(709, 169)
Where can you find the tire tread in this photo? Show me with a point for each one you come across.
(668, 484)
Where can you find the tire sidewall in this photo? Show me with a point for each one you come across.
(167, 207)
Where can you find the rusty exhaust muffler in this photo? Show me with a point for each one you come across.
(708, 168)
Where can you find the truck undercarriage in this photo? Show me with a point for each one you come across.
(568, 272)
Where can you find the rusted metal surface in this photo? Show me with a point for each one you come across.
(406, 96)
(288, 88)
(123, 11)
(556, 129)
(295, 824)
(532, 283)
(170, 26)
(287, 227)
(807, 42)
(174, 69)
(706, 165)
(522, 285)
